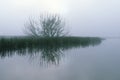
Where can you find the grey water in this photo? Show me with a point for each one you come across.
(96, 62)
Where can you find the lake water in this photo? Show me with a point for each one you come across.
(100, 62)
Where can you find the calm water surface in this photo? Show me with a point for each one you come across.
(101, 62)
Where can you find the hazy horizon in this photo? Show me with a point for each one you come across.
(83, 17)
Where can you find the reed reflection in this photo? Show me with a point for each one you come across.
(48, 50)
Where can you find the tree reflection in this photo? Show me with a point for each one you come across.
(48, 52)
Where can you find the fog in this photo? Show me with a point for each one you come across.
(83, 17)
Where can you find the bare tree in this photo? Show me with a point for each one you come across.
(49, 25)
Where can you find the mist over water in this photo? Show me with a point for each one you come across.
(83, 17)
(74, 58)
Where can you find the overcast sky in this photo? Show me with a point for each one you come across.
(83, 17)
